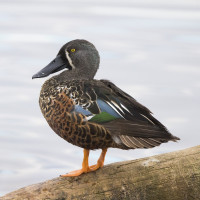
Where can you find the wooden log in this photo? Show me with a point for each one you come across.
(173, 176)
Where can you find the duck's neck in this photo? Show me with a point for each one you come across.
(67, 75)
(75, 74)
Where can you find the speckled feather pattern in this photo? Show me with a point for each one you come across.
(57, 101)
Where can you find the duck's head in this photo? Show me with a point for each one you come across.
(80, 57)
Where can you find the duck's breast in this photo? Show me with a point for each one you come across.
(58, 106)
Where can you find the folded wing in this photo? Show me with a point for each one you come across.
(131, 124)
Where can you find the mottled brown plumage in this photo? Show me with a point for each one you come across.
(57, 106)
(94, 114)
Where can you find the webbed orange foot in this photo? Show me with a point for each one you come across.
(76, 172)
(85, 166)
(100, 162)
(95, 167)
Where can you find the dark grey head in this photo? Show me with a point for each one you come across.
(80, 57)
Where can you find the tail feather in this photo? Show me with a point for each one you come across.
(138, 134)
(140, 143)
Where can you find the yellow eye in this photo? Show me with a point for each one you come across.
(73, 50)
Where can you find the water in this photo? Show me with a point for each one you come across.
(149, 49)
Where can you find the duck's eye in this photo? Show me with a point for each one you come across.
(73, 50)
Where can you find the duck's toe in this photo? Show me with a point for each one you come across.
(97, 166)
(76, 172)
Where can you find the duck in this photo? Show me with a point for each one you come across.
(94, 114)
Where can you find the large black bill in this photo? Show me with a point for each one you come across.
(54, 66)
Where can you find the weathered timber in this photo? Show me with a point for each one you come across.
(173, 176)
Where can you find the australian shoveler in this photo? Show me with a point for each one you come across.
(94, 114)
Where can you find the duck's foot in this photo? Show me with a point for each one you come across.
(82, 171)
(100, 162)
(85, 167)
(76, 172)
(95, 167)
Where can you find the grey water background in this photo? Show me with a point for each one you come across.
(150, 49)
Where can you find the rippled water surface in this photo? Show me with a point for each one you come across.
(150, 49)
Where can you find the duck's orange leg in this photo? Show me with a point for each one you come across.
(85, 166)
(100, 161)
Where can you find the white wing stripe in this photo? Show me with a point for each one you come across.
(147, 118)
(117, 106)
(125, 108)
(114, 108)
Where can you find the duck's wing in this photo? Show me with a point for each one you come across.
(129, 122)
(137, 127)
